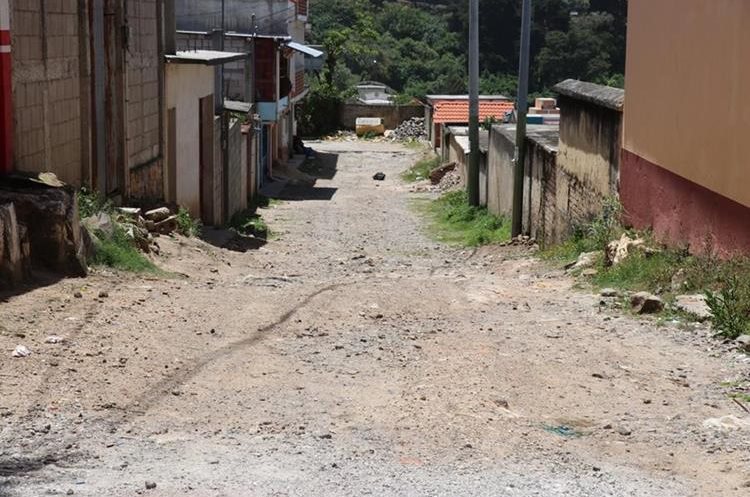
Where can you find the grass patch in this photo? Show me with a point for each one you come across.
(119, 251)
(454, 221)
(421, 170)
(664, 271)
(414, 144)
(250, 223)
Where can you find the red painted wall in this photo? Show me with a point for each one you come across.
(6, 111)
(680, 212)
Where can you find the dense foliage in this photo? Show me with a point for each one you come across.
(420, 47)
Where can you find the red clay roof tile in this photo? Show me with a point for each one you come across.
(457, 111)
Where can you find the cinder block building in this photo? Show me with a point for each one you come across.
(87, 87)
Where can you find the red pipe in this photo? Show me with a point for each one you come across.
(6, 92)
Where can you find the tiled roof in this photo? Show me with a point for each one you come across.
(457, 111)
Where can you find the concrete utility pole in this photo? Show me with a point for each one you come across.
(521, 109)
(473, 173)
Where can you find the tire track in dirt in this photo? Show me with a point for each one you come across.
(156, 393)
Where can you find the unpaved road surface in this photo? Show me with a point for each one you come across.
(350, 356)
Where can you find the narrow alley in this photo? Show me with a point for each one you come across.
(352, 355)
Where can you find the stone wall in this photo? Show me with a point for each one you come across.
(392, 115)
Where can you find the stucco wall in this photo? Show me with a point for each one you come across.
(555, 200)
(500, 173)
(393, 115)
(186, 84)
(680, 212)
(687, 78)
(590, 143)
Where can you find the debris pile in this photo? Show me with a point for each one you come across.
(138, 226)
(411, 129)
(437, 174)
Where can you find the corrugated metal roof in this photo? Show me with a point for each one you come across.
(457, 111)
(205, 57)
(304, 49)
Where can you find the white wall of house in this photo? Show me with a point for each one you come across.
(186, 84)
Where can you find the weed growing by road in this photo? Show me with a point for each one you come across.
(455, 221)
(664, 271)
(249, 222)
(91, 203)
(186, 224)
(730, 307)
(118, 251)
(421, 169)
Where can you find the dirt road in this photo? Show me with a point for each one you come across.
(352, 355)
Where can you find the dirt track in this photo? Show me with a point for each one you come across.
(353, 356)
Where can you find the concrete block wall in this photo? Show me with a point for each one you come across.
(237, 192)
(218, 177)
(48, 87)
(143, 83)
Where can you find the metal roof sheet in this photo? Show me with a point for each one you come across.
(205, 57)
(304, 49)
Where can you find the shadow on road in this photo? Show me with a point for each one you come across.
(231, 240)
(323, 166)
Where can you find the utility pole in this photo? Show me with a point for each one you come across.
(473, 173)
(521, 111)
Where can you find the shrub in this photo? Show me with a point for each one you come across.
(186, 224)
(730, 307)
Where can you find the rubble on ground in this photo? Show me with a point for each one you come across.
(646, 303)
(450, 181)
(585, 260)
(437, 174)
(411, 129)
(695, 305)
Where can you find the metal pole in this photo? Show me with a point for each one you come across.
(473, 174)
(522, 109)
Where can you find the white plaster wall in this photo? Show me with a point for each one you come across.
(186, 84)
